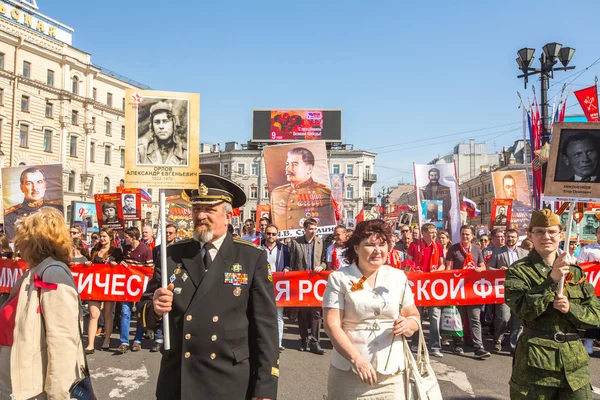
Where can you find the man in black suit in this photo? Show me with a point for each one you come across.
(221, 305)
(580, 153)
(434, 190)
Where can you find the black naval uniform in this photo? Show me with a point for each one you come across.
(223, 336)
(20, 211)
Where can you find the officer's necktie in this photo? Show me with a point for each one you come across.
(207, 258)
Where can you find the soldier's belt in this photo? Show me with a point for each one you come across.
(559, 337)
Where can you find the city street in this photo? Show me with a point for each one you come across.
(304, 375)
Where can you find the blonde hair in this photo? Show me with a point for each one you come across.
(42, 235)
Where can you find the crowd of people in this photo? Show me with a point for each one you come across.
(366, 304)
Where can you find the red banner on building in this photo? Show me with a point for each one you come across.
(588, 99)
(501, 213)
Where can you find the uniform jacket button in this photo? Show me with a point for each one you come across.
(215, 318)
(188, 336)
(187, 354)
(213, 356)
(188, 318)
(213, 338)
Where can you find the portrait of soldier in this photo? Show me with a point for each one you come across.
(501, 217)
(33, 185)
(432, 211)
(580, 154)
(434, 190)
(109, 213)
(301, 198)
(129, 204)
(164, 146)
(591, 223)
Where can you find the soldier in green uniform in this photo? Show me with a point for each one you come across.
(550, 361)
(302, 197)
(33, 186)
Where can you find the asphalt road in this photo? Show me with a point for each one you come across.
(303, 376)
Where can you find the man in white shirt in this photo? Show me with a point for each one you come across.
(251, 234)
(337, 260)
(590, 253)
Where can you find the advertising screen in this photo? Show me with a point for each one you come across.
(297, 125)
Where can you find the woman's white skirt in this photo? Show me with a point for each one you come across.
(346, 385)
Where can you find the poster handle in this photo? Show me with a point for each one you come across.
(163, 266)
(561, 283)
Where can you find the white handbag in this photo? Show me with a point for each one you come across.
(420, 382)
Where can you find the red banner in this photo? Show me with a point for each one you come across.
(588, 99)
(99, 282)
(294, 289)
(501, 213)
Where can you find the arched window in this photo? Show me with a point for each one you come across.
(106, 186)
(75, 85)
(71, 184)
(122, 182)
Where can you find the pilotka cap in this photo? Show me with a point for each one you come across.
(543, 219)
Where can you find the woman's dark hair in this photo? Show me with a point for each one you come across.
(78, 244)
(364, 230)
(98, 246)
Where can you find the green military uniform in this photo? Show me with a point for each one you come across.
(544, 368)
(291, 205)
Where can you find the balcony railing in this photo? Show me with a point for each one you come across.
(370, 178)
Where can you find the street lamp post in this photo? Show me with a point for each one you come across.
(552, 53)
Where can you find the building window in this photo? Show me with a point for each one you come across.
(225, 169)
(73, 146)
(108, 128)
(92, 151)
(25, 103)
(49, 110)
(350, 169)
(122, 159)
(349, 192)
(74, 117)
(2, 61)
(71, 184)
(253, 215)
(26, 69)
(109, 99)
(122, 182)
(266, 192)
(106, 185)
(1, 97)
(253, 192)
(335, 168)
(95, 94)
(48, 140)
(75, 85)
(350, 214)
(122, 131)
(241, 169)
(367, 193)
(23, 135)
(107, 150)
(254, 169)
(94, 123)
(50, 78)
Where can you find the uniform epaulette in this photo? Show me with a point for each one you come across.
(247, 243)
(183, 241)
(13, 208)
(53, 202)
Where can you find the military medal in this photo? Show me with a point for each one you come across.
(236, 268)
(184, 277)
(178, 269)
(177, 290)
(172, 278)
(237, 291)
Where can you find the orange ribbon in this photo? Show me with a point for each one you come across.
(357, 285)
(569, 281)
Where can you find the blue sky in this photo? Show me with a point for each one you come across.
(404, 73)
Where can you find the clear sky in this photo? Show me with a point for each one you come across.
(403, 72)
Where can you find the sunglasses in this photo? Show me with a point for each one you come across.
(170, 233)
(404, 231)
(94, 237)
(74, 232)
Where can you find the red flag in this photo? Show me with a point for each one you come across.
(588, 99)
(236, 212)
(361, 216)
(561, 114)
(336, 209)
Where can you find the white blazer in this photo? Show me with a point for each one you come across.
(369, 315)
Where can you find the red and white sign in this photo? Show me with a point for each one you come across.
(588, 99)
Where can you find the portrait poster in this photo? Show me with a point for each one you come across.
(351, 223)
(109, 211)
(563, 221)
(29, 188)
(179, 212)
(587, 227)
(574, 165)
(337, 193)
(262, 210)
(131, 200)
(501, 213)
(512, 184)
(298, 179)
(162, 138)
(391, 219)
(85, 212)
(432, 212)
(438, 182)
(405, 218)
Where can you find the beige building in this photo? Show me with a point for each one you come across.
(245, 165)
(56, 106)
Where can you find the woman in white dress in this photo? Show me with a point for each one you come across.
(365, 305)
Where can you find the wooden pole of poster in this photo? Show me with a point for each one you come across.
(561, 284)
(163, 266)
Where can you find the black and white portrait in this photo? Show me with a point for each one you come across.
(578, 157)
(163, 132)
(128, 201)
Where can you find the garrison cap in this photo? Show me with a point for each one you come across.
(214, 189)
(543, 219)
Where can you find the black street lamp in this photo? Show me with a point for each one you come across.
(552, 53)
